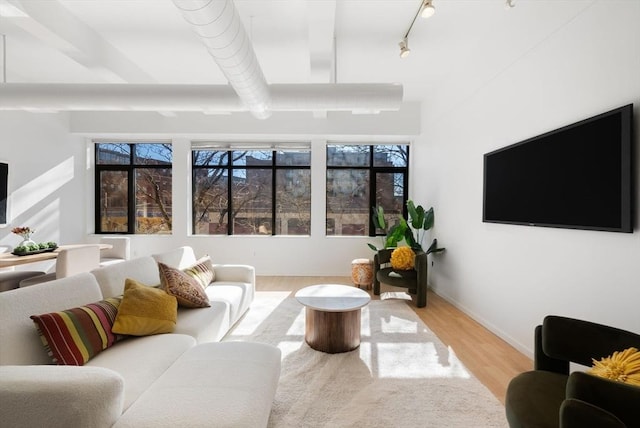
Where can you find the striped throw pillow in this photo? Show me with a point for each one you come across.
(202, 271)
(74, 336)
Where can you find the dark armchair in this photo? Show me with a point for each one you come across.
(415, 279)
(551, 396)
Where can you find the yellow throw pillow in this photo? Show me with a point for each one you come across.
(622, 366)
(403, 258)
(186, 289)
(145, 310)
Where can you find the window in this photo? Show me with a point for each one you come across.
(251, 192)
(360, 177)
(133, 188)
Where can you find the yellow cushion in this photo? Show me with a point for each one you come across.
(403, 258)
(622, 366)
(145, 310)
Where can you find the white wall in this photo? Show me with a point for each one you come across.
(53, 180)
(509, 277)
(46, 173)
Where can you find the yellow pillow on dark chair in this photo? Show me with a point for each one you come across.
(621, 366)
(145, 310)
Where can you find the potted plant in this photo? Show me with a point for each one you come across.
(412, 231)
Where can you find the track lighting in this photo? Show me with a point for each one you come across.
(428, 9)
(404, 48)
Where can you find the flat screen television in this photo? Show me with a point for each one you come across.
(4, 192)
(576, 177)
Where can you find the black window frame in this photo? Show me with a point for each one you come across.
(230, 167)
(373, 170)
(130, 169)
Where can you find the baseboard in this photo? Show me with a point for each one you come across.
(486, 324)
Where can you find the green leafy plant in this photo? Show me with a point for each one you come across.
(393, 235)
(412, 231)
(421, 221)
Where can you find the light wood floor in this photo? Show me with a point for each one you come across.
(489, 358)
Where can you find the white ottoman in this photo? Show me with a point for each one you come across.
(224, 384)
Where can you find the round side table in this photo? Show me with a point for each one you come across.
(332, 316)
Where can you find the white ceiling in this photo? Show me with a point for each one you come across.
(461, 48)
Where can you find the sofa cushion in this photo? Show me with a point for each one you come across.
(59, 396)
(178, 258)
(142, 360)
(19, 341)
(74, 336)
(238, 295)
(186, 289)
(227, 385)
(111, 278)
(206, 324)
(202, 271)
(145, 310)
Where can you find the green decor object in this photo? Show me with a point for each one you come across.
(26, 250)
(412, 231)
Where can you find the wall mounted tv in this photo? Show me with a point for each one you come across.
(576, 177)
(4, 192)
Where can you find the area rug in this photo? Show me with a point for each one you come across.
(400, 376)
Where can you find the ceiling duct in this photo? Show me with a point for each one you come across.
(358, 98)
(219, 26)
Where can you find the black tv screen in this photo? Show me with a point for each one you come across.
(4, 191)
(576, 177)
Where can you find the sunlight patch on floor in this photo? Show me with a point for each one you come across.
(416, 360)
(261, 308)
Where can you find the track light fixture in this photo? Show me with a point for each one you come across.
(404, 48)
(425, 10)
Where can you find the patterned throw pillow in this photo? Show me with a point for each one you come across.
(145, 310)
(187, 290)
(74, 336)
(202, 271)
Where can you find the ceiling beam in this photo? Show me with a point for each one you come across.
(322, 23)
(53, 24)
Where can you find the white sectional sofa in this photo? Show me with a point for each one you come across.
(186, 378)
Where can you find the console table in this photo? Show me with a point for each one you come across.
(9, 260)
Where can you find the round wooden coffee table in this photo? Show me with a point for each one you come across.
(332, 322)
